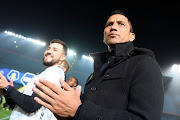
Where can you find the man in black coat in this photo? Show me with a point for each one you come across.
(126, 83)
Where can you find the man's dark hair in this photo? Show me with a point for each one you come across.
(65, 47)
(119, 12)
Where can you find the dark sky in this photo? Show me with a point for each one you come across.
(81, 24)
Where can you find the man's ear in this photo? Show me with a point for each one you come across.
(131, 37)
(63, 57)
(75, 84)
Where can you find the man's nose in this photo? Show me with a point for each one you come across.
(113, 27)
(49, 51)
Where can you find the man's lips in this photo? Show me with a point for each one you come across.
(113, 35)
(48, 56)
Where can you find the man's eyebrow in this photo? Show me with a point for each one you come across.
(121, 21)
(55, 48)
(109, 22)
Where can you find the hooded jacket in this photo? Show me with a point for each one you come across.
(129, 87)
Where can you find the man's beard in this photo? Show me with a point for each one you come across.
(51, 63)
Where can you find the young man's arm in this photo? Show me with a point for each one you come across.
(26, 102)
(15, 97)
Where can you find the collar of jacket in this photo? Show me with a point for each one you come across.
(121, 50)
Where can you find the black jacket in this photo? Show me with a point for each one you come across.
(129, 88)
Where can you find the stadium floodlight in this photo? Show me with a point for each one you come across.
(29, 39)
(19, 36)
(87, 57)
(16, 35)
(71, 52)
(25, 38)
(176, 68)
(13, 34)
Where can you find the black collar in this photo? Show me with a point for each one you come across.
(120, 50)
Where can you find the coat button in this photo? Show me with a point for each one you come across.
(93, 89)
(106, 75)
(98, 118)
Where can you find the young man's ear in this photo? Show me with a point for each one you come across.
(131, 37)
(63, 57)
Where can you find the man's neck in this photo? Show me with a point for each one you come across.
(111, 48)
(47, 67)
(53, 65)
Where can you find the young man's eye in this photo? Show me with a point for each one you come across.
(109, 24)
(122, 24)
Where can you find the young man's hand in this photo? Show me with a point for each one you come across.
(3, 84)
